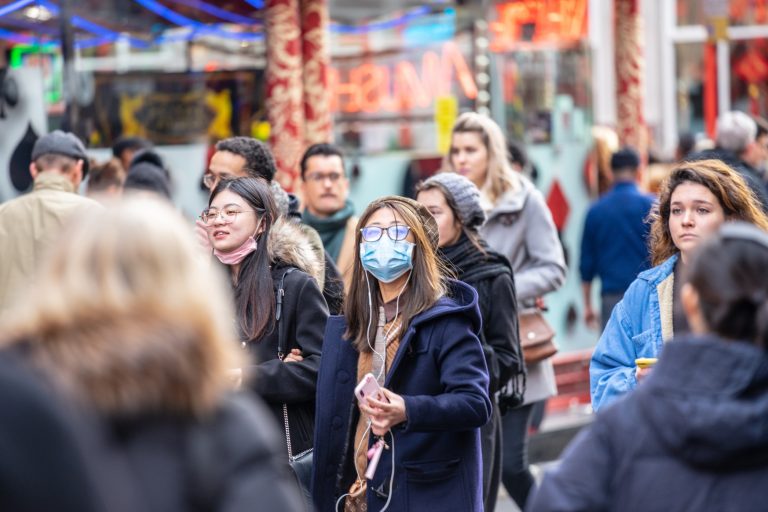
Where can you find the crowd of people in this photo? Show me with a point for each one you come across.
(153, 362)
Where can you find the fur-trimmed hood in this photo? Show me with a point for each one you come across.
(297, 245)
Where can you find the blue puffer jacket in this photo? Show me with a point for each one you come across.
(693, 436)
(439, 370)
(638, 327)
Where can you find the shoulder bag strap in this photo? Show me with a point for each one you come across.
(281, 346)
(281, 349)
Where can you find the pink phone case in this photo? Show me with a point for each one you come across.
(368, 387)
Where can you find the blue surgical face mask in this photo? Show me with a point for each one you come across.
(387, 259)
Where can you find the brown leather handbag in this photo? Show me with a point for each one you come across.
(536, 337)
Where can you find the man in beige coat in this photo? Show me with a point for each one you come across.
(325, 190)
(31, 223)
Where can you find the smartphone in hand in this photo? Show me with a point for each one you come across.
(368, 386)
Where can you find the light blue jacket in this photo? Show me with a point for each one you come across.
(638, 327)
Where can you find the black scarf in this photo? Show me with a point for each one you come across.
(475, 267)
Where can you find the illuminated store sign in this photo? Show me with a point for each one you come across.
(401, 85)
(538, 21)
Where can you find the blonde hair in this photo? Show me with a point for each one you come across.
(127, 319)
(500, 176)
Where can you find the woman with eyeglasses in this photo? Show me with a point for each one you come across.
(415, 443)
(261, 256)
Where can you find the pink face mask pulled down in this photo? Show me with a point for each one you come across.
(239, 254)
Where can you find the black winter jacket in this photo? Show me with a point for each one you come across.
(58, 454)
(304, 314)
(38, 447)
(226, 463)
(694, 436)
(492, 277)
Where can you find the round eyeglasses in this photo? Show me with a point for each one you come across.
(228, 214)
(319, 177)
(396, 232)
(209, 180)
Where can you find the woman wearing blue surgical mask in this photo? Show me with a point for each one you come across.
(259, 253)
(416, 445)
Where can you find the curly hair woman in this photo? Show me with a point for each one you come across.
(695, 200)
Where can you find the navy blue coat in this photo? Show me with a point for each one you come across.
(440, 372)
(694, 436)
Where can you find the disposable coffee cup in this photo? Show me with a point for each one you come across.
(645, 362)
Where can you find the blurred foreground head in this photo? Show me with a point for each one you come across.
(126, 319)
(727, 286)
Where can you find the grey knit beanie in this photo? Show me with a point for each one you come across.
(465, 194)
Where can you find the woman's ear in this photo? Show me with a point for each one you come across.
(260, 226)
(689, 299)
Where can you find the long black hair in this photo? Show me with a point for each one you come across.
(254, 296)
(728, 273)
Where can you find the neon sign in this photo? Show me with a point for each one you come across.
(401, 87)
(538, 21)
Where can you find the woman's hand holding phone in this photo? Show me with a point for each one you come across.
(384, 408)
(384, 413)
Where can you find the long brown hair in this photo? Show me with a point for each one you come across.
(426, 284)
(728, 186)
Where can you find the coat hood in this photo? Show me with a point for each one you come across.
(461, 299)
(707, 401)
(513, 200)
(297, 245)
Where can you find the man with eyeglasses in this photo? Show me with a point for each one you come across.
(238, 157)
(31, 223)
(327, 208)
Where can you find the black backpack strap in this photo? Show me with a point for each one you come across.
(281, 346)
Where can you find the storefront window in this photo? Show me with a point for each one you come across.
(689, 82)
(749, 76)
(740, 12)
(386, 85)
(387, 101)
(533, 79)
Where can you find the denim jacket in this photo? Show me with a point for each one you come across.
(638, 327)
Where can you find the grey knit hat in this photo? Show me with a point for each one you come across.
(464, 193)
